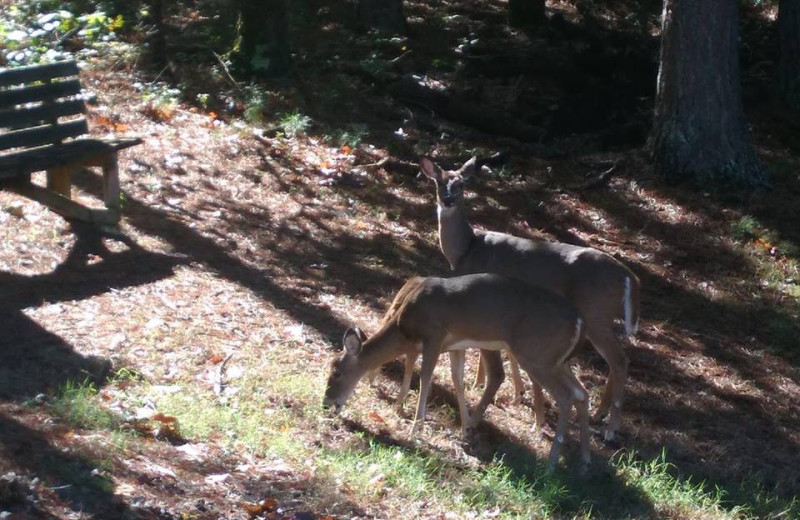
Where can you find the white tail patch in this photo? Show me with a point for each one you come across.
(577, 335)
(573, 341)
(631, 326)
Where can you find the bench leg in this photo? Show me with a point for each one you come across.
(59, 180)
(111, 190)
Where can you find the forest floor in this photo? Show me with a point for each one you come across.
(173, 367)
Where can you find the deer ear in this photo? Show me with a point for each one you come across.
(361, 335)
(469, 168)
(430, 170)
(352, 341)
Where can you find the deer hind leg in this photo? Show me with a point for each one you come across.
(605, 401)
(582, 409)
(606, 343)
(519, 386)
(411, 359)
(495, 374)
(480, 377)
(561, 388)
(457, 359)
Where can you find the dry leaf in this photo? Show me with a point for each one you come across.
(265, 506)
(216, 358)
(166, 419)
(377, 418)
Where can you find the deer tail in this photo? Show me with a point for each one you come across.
(630, 304)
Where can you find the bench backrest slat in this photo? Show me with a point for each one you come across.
(33, 73)
(39, 93)
(32, 116)
(40, 135)
(32, 102)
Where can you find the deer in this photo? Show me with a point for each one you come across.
(488, 311)
(601, 288)
(491, 359)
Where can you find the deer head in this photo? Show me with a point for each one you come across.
(449, 184)
(346, 370)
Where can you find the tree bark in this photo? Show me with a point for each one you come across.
(788, 81)
(699, 131)
(384, 15)
(158, 44)
(525, 13)
(262, 39)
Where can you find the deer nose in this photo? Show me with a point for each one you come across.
(447, 200)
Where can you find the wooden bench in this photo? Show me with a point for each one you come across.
(42, 128)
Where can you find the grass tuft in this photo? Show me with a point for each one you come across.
(294, 124)
(77, 404)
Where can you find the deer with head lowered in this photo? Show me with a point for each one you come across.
(601, 288)
(486, 311)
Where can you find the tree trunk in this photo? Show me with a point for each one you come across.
(789, 49)
(157, 38)
(384, 15)
(262, 39)
(524, 13)
(699, 131)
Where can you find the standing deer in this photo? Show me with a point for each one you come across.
(598, 286)
(486, 311)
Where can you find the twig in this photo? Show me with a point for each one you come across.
(399, 58)
(397, 165)
(69, 34)
(597, 181)
(228, 72)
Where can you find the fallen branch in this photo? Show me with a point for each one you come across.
(228, 72)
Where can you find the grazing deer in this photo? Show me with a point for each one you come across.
(491, 359)
(598, 286)
(486, 311)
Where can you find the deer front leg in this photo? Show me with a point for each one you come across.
(429, 359)
(493, 362)
(538, 407)
(457, 359)
(411, 359)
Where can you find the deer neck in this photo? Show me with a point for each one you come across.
(455, 233)
(386, 345)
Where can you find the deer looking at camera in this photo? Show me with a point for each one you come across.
(486, 311)
(598, 286)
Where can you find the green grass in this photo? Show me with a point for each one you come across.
(678, 497)
(443, 486)
(746, 228)
(670, 494)
(77, 404)
(278, 414)
(254, 419)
